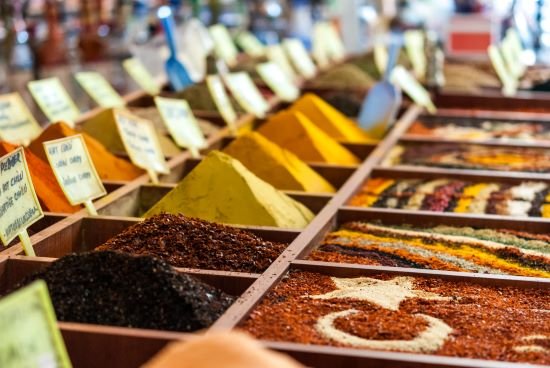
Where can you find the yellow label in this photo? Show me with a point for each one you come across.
(221, 99)
(414, 44)
(250, 44)
(19, 206)
(181, 123)
(406, 81)
(54, 100)
(297, 53)
(223, 44)
(141, 142)
(277, 54)
(335, 46)
(17, 125)
(381, 58)
(277, 80)
(141, 76)
(247, 94)
(74, 169)
(509, 83)
(28, 330)
(319, 45)
(99, 89)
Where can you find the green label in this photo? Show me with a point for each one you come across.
(223, 44)
(247, 94)
(17, 125)
(28, 330)
(141, 76)
(74, 169)
(181, 123)
(297, 53)
(221, 99)
(54, 100)
(19, 206)
(406, 81)
(99, 89)
(250, 44)
(277, 80)
(141, 142)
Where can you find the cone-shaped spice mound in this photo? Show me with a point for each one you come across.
(108, 166)
(221, 189)
(330, 120)
(274, 164)
(194, 243)
(296, 133)
(111, 288)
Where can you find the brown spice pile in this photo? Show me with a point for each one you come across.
(188, 242)
(495, 323)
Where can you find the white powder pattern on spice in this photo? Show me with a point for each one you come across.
(527, 191)
(532, 348)
(518, 208)
(428, 341)
(386, 294)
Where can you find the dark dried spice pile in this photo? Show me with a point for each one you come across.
(188, 242)
(111, 288)
(488, 322)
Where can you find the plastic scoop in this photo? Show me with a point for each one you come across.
(382, 102)
(177, 74)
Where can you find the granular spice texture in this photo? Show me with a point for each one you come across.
(408, 314)
(193, 243)
(442, 248)
(473, 157)
(117, 289)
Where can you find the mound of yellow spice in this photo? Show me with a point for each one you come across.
(274, 164)
(221, 189)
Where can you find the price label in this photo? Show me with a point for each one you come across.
(250, 44)
(381, 58)
(181, 124)
(141, 76)
(509, 82)
(141, 143)
(28, 330)
(297, 53)
(319, 50)
(279, 83)
(414, 44)
(247, 94)
(75, 171)
(99, 89)
(512, 54)
(17, 125)
(221, 99)
(408, 83)
(19, 206)
(335, 46)
(277, 54)
(223, 44)
(54, 100)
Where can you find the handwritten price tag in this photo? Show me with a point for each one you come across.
(181, 124)
(277, 54)
(414, 44)
(381, 58)
(141, 76)
(74, 171)
(17, 125)
(221, 99)
(250, 44)
(406, 81)
(297, 53)
(99, 89)
(320, 50)
(19, 206)
(223, 44)
(141, 143)
(509, 82)
(28, 330)
(54, 100)
(247, 94)
(279, 83)
(335, 46)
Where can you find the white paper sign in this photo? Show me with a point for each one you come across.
(223, 44)
(297, 53)
(54, 100)
(99, 89)
(406, 81)
(247, 94)
(277, 81)
(17, 125)
(221, 99)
